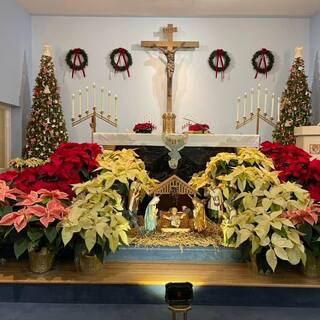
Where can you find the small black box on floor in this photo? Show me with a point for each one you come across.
(179, 293)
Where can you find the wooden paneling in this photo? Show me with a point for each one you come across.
(236, 274)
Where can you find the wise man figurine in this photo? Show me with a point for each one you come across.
(150, 217)
(199, 215)
(215, 204)
(133, 203)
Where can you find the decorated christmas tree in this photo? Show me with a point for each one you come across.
(46, 129)
(295, 103)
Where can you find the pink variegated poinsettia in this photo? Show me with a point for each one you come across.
(44, 205)
(7, 193)
(30, 199)
(54, 210)
(18, 219)
(309, 215)
(54, 194)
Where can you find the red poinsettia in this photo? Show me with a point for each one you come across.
(199, 127)
(294, 164)
(72, 163)
(144, 127)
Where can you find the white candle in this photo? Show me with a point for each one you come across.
(115, 106)
(278, 108)
(238, 108)
(251, 104)
(109, 103)
(272, 105)
(80, 102)
(258, 102)
(87, 98)
(73, 105)
(245, 104)
(265, 100)
(102, 99)
(94, 95)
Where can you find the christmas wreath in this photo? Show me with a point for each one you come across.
(79, 61)
(219, 61)
(262, 61)
(121, 54)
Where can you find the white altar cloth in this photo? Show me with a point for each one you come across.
(193, 140)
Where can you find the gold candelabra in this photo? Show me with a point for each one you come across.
(260, 113)
(104, 112)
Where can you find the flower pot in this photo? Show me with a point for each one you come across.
(89, 263)
(312, 267)
(144, 131)
(41, 261)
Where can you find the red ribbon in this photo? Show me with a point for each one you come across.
(77, 54)
(122, 53)
(219, 59)
(263, 59)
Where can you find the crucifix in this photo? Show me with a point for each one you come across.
(168, 48)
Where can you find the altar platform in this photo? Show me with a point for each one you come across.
(193, 140)
(219, 284)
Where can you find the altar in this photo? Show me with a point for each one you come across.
(192, 140)
(181, 154)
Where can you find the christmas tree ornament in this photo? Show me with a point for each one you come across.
(46, 90)
(295, 102)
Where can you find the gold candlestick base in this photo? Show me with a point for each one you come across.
(169, 122)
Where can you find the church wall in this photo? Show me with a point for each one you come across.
(315, 66)
(197, 93)
(15, 67)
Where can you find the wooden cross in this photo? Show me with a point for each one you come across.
(168, 48)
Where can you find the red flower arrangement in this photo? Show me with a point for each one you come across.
(71, 163)
(197, 127)
(146, 127)
(294, 164)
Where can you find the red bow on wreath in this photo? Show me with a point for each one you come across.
(122, 54)
(77, 55)
(264, 61)
(219, 58)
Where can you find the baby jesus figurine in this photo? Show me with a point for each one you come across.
(175, 218)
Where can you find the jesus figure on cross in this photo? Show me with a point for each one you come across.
(169, 48)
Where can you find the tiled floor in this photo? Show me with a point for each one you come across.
(29, 311)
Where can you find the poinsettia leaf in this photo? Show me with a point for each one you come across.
(294, 255)
(35, 233)
(271, 259)
(51, 233)
(281, 253)
(20, 246)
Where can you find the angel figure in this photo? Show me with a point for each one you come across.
(150, 217)
(133, 203)
(199, 215)
(215, 204)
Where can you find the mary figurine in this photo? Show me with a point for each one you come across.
(150, 217)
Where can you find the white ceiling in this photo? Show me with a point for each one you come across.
(183, 8)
